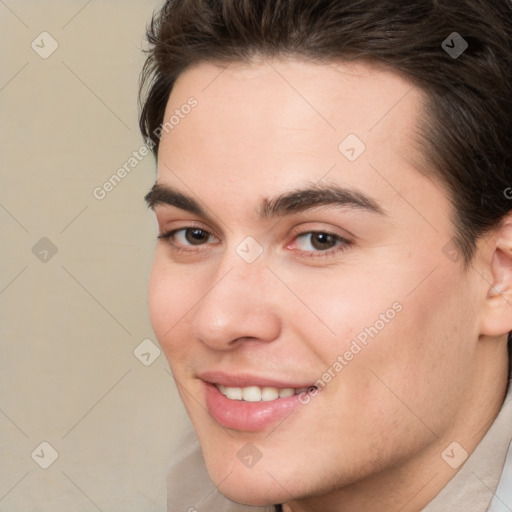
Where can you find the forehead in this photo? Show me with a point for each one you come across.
(355, 95)
(273, 123)
(299, 103)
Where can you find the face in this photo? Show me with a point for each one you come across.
(300, 246)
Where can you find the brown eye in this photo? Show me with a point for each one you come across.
(196, 236)
(323, 241)
(318, 241)
(187, 237)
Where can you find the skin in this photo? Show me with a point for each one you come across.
(372, 439)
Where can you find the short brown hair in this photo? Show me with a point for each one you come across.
(467, 130)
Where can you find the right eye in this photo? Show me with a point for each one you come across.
(187, 237)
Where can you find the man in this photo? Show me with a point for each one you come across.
(332, 283)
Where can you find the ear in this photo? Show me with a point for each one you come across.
(496, 315)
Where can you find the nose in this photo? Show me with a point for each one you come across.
(239, 306)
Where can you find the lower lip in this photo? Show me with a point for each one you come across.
(247, 416)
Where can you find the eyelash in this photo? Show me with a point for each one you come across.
(341, 246)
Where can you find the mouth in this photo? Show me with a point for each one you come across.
(259, 393)
(251, 403)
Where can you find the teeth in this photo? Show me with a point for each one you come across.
(283, 393)
(268, 394)
(257, 394)
(234, 393)
(251, 394)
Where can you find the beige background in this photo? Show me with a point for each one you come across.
(70, 321)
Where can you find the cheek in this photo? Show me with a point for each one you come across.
(158, 297)
(441, 323)
(422, 357)
(339, 307)
(415, 342)
(170, 297)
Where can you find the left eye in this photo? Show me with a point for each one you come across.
(318, 241)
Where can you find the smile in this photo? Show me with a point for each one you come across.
(257, 393)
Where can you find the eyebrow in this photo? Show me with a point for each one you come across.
(295, 201)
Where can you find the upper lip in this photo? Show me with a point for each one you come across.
(243, 380)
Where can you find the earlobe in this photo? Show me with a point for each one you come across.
(496, 318)
(496, 290)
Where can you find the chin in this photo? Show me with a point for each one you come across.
(254, 494)
(248, 486)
